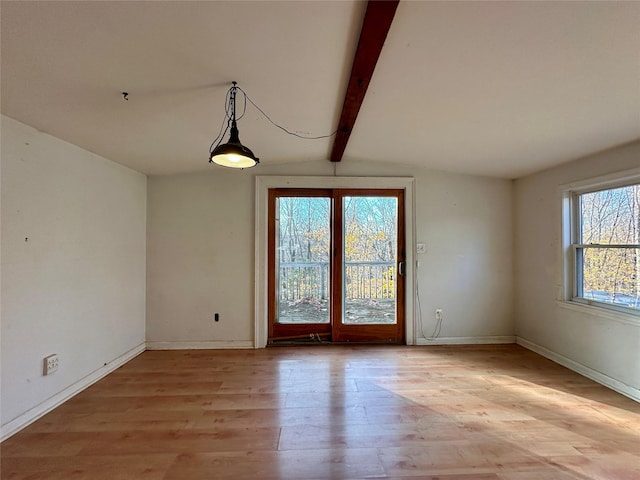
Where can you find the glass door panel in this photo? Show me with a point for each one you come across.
(369, 236)
(303, 239)
(300, 271)
(335, 265)
(370, 244)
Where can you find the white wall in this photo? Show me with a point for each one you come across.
(73, 269)
(596, 344)
(200, 253)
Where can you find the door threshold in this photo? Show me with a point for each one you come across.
(310, 342)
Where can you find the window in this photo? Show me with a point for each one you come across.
(605, 244)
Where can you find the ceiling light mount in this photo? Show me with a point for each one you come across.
(232, 154)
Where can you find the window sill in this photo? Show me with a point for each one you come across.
(601, 312)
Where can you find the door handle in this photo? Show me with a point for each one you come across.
(401, 268)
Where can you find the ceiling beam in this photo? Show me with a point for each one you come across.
(375, 26)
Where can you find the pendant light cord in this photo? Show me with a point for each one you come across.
(304, 137)
(229, 111)
(229, 114)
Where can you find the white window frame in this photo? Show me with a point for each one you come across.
(571, 232)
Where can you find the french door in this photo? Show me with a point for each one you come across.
(336, 265)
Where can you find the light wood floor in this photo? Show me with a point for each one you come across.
(447, 413)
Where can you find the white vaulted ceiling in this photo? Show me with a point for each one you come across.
(491, 88)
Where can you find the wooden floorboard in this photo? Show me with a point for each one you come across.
(335, 412)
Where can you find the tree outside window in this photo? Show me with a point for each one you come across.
(607, 246)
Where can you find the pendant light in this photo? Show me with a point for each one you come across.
(233, 154)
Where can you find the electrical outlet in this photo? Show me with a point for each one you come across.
(438, 314)
(50, 364)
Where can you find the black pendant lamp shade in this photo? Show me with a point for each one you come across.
(233, 154)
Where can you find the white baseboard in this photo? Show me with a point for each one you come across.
(487, 340)
(58, 399)
(601, 378)
(205, 345)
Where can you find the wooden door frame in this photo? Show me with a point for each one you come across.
(262, 186)
(374, 332)
(336, 329)
(302, 329)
